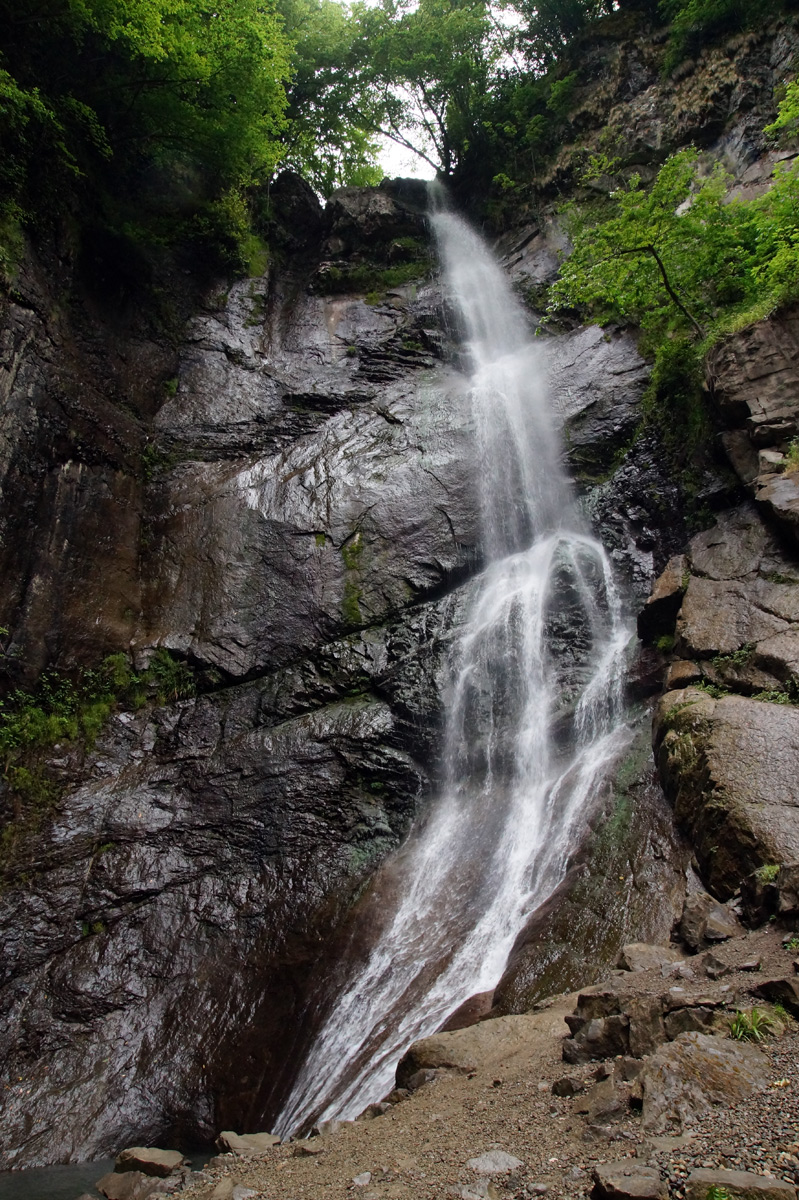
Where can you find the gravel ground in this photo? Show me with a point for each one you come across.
(420, 1147)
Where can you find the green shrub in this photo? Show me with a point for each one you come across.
(73, 710)
(752, 1026)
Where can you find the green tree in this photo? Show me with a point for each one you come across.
(787, 123)
(428, 69)
(109, 89)
(681, 256)
(332, 114)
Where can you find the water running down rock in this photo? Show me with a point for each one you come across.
(530, 728)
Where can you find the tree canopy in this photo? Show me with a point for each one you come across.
(175, 110)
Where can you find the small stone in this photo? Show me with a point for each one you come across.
(362, 1180)
(494, 1162)
(480, 1189)
(714, 967)
(567, 1085)
(308, 1149)
(628, 1180)
(752, 964)
(246, 1143)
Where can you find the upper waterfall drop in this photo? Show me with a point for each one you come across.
(496, 840)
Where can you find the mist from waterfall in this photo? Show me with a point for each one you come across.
(496, 840)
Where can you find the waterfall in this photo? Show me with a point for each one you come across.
(496, 840)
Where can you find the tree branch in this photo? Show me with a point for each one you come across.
(651, 250)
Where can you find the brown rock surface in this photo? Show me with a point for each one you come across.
(685, 1077)
(658, 614)
(150, 1160)
(740, 1185)
(640, 956)
(729, 766)
(755, 377)
(246, 1143)
(628, 1180)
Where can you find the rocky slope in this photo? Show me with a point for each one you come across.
(659, 1102)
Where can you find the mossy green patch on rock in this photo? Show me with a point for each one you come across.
(352, 554)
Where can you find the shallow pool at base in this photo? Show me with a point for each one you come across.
(54, 1183)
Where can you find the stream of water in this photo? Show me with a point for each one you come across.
(496, 841)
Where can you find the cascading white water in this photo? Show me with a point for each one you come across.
(496, 841)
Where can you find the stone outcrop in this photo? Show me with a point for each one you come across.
(730, 765)
(300, 526)
(726, 734)
(611, 1021)
(684, 1078)
(279, 494)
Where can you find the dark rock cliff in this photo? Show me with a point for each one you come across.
(282, 497)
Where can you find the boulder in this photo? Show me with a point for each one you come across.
(685, 1020)
(494, 1162)
(246, 1144)
(628, 1180)
(128, 1185)
(779, 496)
(467, 1049)
(659, 614)
(149, 1160)
(600, 1037)
(604, 1102)
(684, 1078)
(755, 378)
(729, 765)
(705, 921)
(647, 1030)
(714, 967)
(739, 1185)
(788, 890)
(640, 956)
(784, 991)
(681, 674)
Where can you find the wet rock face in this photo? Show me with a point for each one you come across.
(309, 516)
(307, 497)
(626, 881)
(169, 921)
(301, 525)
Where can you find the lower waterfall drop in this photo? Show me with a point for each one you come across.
(523, 761)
